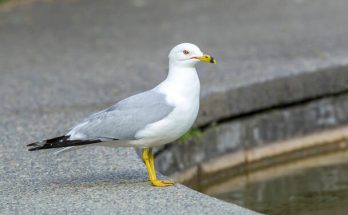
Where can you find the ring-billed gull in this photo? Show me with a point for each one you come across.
(148, 119)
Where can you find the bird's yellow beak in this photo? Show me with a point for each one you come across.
(206, 58)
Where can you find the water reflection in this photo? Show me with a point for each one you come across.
(313, 186)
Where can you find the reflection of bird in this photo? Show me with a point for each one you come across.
(151, 118)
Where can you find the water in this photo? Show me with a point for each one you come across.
(314, 186)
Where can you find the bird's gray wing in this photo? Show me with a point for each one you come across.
(124, 119)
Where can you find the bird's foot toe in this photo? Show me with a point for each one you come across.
(162, 183)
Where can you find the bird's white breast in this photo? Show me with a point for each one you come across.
(182, 91)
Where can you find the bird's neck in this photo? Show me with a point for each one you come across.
(181, 81)
(184, 75)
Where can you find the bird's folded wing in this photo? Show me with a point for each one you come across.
(123, 120)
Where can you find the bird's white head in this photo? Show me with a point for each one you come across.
(187, 55)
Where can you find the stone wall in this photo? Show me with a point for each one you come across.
(252, 131)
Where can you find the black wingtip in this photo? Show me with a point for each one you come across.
(46, 143)
(59, 142)
(34, 149)
(33, 144)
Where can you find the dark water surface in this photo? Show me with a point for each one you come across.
(314, 186)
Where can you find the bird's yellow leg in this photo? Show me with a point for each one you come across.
(156, 182)
(152, 160)
(146, 159)
(149, 162)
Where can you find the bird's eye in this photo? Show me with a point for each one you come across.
(186, 52)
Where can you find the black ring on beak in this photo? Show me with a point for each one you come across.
(212, 60)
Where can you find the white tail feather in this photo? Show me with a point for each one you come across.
(66, 149)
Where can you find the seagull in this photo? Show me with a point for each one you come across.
(145, 120)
